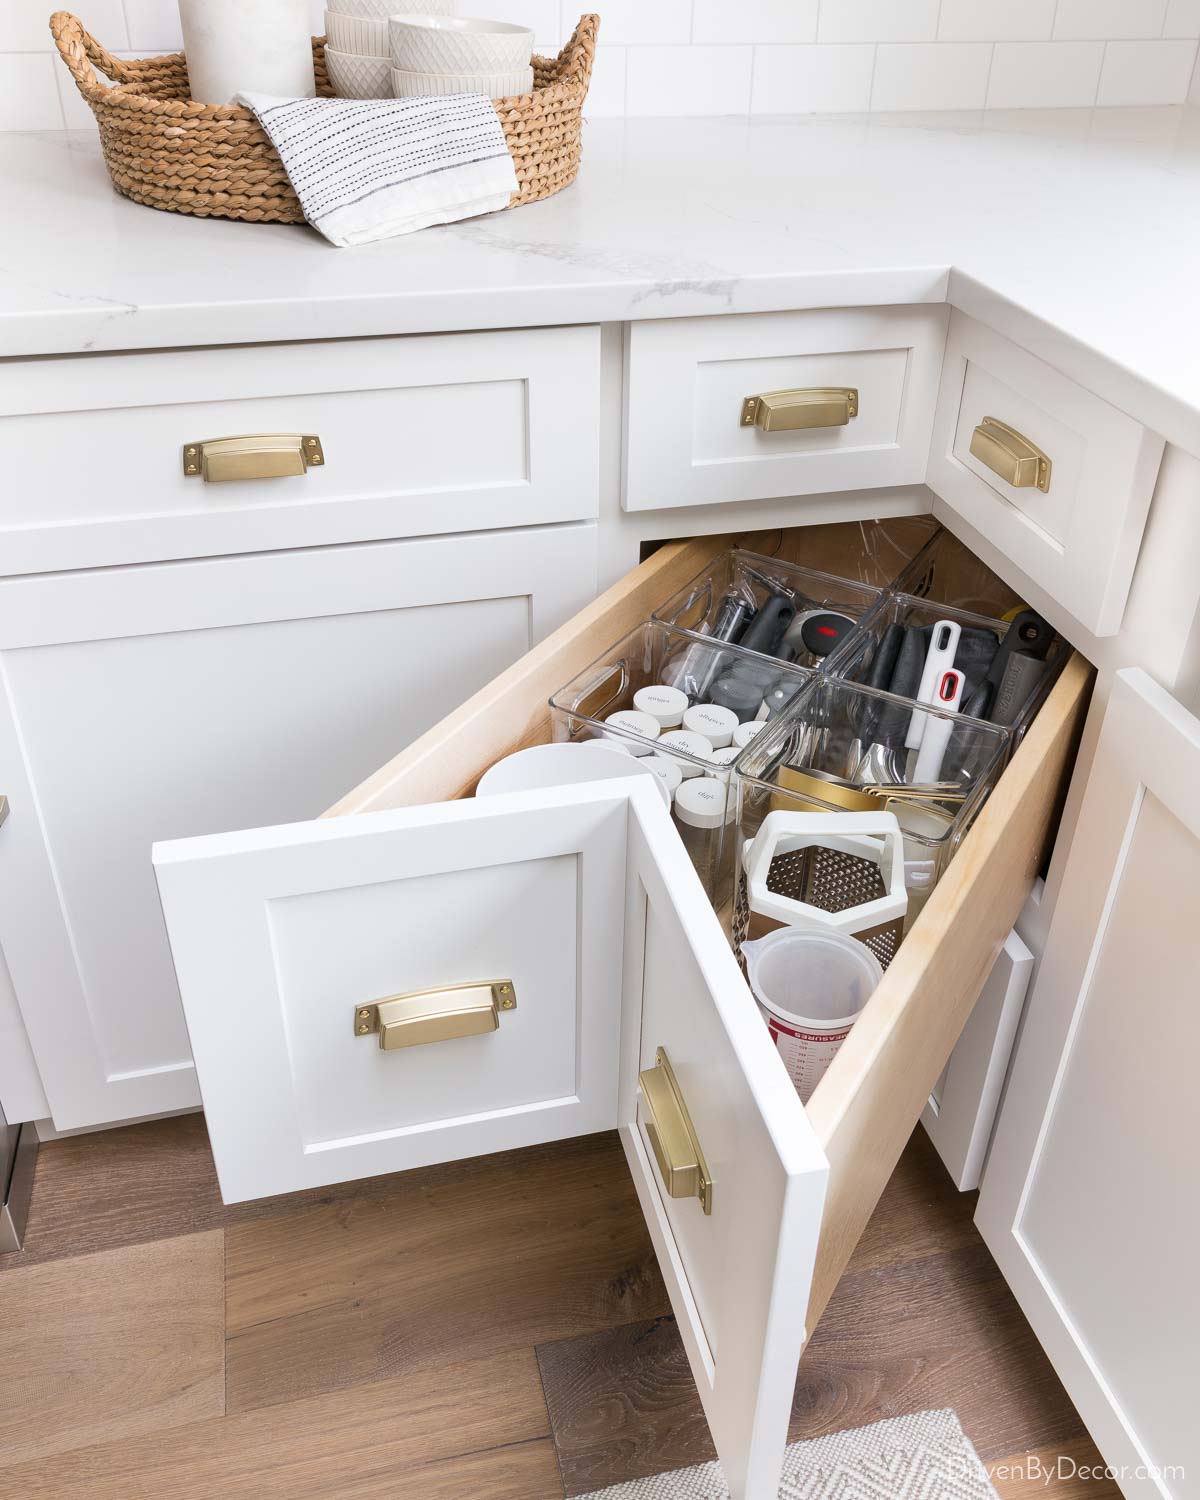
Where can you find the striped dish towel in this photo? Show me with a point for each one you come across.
(368, 169)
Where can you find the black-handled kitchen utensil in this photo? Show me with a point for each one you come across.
(818, 631)
(1028, 633)
(766, 629)
(1018, 685)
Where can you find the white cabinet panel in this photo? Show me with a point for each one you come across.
(183, 698)
(586, 900)
(1089, 1200)
(739, 1277)
(962, 1108)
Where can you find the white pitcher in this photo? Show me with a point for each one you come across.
(235, 45)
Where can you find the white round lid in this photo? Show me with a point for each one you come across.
(702, 802)
(667, 770)
(744, 733)
(685, 742)
(666, 704)
(727, 756)
(713, 721)
(562, 764)
(633, 722)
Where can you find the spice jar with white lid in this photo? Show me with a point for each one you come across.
(679, 743)
(666, 704)
(715, 723)
(632, 722)
(702, 812)
(666, 769)
(744, 733)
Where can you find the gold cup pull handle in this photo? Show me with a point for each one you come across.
(435, 1015)
(672, 1137)
(1011, 455)
(262, 455)
(790, 411)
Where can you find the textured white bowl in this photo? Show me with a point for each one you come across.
(406, 85)
(355, 77)
(365, 35)
(380, 10)
(458, 44)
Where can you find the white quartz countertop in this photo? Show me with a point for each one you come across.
(1076, 232)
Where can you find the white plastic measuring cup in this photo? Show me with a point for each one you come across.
(810, 985)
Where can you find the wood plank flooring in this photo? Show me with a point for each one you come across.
(494, 1328)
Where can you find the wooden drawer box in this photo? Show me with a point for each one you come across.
(446, 433)
(1076, 536)
(687, 442)
(584, 898)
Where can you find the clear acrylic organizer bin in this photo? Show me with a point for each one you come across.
(653, 655)
(869, 656)
(945, 571)
(840, 749)
(752, 579)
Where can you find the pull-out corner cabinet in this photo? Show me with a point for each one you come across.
(557, 962)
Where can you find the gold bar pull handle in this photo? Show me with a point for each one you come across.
(672, 1138)
(788, 411)
(435, 1015)
(1010, 454)
(262, 455)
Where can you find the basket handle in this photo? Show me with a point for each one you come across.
(79, 50)
(580, 51)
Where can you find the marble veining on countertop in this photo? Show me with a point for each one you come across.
(1076, 231)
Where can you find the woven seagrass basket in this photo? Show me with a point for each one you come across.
(164, 150)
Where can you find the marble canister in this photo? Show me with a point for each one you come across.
(264, 46)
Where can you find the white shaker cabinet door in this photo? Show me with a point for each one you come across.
(186, 698)
(583, 902)
(1089, 1200)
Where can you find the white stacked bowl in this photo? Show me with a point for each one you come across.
(438, 54)
(357, 49)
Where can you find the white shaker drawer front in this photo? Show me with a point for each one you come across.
(420, 435)
(1055, 479)
(759, 405)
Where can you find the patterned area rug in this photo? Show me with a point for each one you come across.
(926, 1456)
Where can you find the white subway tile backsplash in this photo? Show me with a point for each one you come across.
(1183, 18)
(606, 92)
(878, 21)
(688, 81)
(541, 16)
(989, 21)
(1103, 19)
(754, 21)
(805, 80)
(28, 92)
(931, 75)
(1156, 72)
(632, 22)
(1040, 75)
(678, 57)
(27, 23)
(153, 26)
